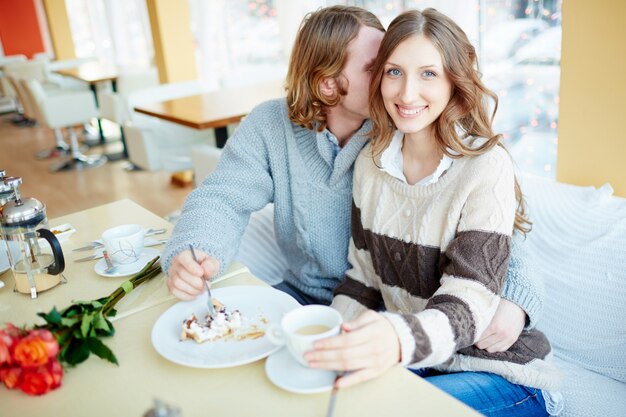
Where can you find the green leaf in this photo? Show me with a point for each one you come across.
(77, 352)
(64, 338)
(106, 333)
(53, 317)
(86, 324)
(101, 350)
(69, 321)
(100, 323)
(73, 310)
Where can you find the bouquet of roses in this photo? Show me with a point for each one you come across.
(32, 360)
(28, 360)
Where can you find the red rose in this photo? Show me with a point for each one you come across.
(10, 376)
(36, 349)
(38, 381)
(48, 339)
(5, 348)
(56, 370)
(8, 339)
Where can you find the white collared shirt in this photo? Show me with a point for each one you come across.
(392, 163)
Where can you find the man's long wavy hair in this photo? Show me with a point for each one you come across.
(320, 51)
(466, 114)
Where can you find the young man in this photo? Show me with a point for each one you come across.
(299, 154)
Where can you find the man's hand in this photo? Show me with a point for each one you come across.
(185, 275)
(369, 346)
(504, 329)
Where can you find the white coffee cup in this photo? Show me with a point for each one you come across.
(124, 243)
(300, 328)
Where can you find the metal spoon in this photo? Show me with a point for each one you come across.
(110, 267)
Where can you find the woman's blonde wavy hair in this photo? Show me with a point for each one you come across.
(468, 105)
(320, 51)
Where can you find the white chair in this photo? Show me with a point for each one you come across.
(23, 69)
(4, 60)
(155, 144)
(26, 115)
(63, 81)
(204, 160)
(113, 104)
(29, 69)
(66, 110)
(31, 114)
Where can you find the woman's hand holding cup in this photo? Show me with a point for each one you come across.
(301, 328)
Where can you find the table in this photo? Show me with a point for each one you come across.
(93, 73)
(214, 110)
(98, 388)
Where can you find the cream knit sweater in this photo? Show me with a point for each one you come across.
(435, 257)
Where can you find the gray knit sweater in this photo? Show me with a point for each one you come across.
(270, 159)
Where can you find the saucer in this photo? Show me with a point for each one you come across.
(286, 373)
(147, 254)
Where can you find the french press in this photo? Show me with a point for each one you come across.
(24, 223)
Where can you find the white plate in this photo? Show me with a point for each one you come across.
(285, 372)
(63, 231)
(254, 302)
(147, 254)
(4, 258)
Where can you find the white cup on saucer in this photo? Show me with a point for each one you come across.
(124, 243)
(300, 328)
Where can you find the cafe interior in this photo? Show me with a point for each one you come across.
(113, 111)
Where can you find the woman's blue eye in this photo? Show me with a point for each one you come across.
(394, 72)
(429, 74)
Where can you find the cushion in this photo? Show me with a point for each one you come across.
(578, 243)
(579, 246)
(587, 393)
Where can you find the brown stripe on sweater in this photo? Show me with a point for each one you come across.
(410, 266)
(358, 234)
(460, 317)
(367, 296)
(479, 256)
(530, 345)
(422, 342)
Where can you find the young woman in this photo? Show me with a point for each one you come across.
(435, 205)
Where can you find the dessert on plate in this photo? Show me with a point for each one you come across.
(225, 324)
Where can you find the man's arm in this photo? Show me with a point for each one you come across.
(216, 213)
(521, 301)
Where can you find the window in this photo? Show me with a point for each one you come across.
(519, 47)
(114, 31)
(237, 41)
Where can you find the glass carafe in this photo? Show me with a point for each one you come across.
(38, 260)
(6, 194)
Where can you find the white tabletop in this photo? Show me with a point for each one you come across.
(98, 388)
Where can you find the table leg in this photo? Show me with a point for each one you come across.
(221, 136)
(95, 94)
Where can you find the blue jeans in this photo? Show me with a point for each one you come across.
(489, 394)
